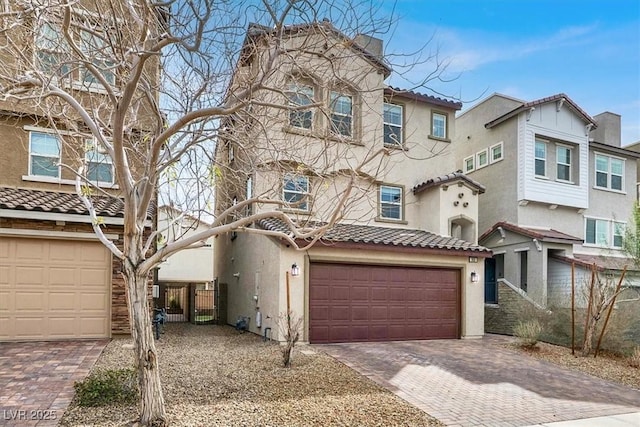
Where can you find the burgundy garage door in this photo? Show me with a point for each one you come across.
(382, 303)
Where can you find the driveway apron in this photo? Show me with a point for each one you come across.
(36, 379)
(479, 382)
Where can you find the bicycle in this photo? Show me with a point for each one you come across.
(159, 319)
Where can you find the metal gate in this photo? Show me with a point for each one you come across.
(176, 303)
(204, 309)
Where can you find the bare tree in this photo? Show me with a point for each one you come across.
(147, 84)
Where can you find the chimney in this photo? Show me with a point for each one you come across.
(370, 44)
(609, 129)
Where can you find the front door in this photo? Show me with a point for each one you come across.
(490, 284)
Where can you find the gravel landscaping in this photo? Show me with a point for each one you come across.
(606, 366)
(216, 376)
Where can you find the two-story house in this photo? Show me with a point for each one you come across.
(57, 280)
(403, 261)
(560, 190)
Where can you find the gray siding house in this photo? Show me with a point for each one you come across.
(560, 189)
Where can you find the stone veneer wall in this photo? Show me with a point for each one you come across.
(119, 310)
(502, 317)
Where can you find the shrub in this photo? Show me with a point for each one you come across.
(528, 332)
(107, 387)
(634, 359)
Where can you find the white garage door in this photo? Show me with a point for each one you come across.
(53, 289)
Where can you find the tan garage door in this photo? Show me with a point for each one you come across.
(53, 289)
(382, 303)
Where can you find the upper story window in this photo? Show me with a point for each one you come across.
(439, 125)
(604, 233)
(563, 163)
(390, 202)
(44, 154)
(301, 95)
(482, 159)
(541, 158)
(52, 51)
(609, 172)
(496, 152)
(295, 191)
(94, 46)
(392, 119)
(469, 164)
(99, 166)
(341, 107)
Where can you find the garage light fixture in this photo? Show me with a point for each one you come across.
(475, 277)
(295, 270)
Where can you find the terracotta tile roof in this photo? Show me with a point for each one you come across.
(416, 96)
(545, 235)
(387, 236)
(527, 105)
(50, 201)
(454, 176)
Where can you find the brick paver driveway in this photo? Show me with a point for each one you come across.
(36, 379)
(479, 382)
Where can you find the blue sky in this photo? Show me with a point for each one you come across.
(588, 49)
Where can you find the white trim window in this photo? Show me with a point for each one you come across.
(44, 154)
(482, 158)
(468, 164)
(496, 152)
(563, 163)
(390, 202)
(540, 157)
(301, 95)
(99, 165)
(295, 191)
(604, 233)
(439, 125)
(609, 172)
(95, 46)
(341, 107)
(52, 51)
(392, 119)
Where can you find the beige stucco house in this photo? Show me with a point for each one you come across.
(57, 280)
(403, 261)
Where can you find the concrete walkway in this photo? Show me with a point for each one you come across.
(481, 383)
(36, 379)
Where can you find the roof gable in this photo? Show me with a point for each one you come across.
(561, 98)
(541, 234)
(451, 178)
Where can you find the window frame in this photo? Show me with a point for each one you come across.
(569, 165)
(105, 66)
(382, 203)
(333, 129)
(298, 112)
(91, 147)
(59, 51)
(465, 163)
(445, 129)
(479, 164)
(300, 207)
(385, 123)
(31, 154)
(492, 150)
(608, 172)
(609, 233)
(544, 159)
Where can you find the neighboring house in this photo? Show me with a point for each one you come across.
(186, 278)
(57, 281)
(560, 190)
(396, 267)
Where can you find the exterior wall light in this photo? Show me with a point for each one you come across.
(475, 277)
(295, 270)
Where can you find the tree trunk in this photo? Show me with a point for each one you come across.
(588, 337)
(152, 407)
